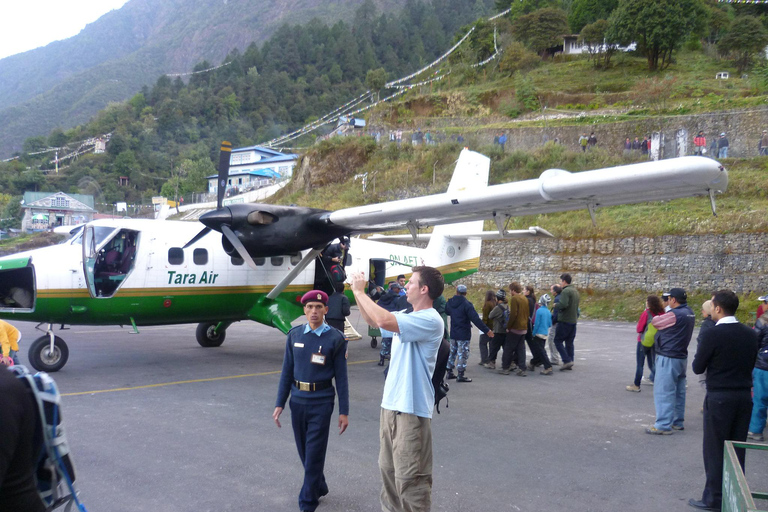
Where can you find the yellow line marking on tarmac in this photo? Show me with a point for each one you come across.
(194, 381)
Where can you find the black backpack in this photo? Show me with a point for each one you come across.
(438, 377)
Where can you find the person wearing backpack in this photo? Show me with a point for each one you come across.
(18, 491)
(645, 341)
(499, 315)
(405, 428)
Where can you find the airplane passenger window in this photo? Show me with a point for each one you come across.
(259, 261)
(200, 256)
(237, 261)
(276, 261)
(295, 258)
(175, 255)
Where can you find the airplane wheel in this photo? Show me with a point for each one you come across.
(206, 336)
(43, 359)
(374, 342)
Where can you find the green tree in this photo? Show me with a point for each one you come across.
(584, 12)
(746, 38)
(593, 36)
(659, 27)
(541, 29)
(375, 79)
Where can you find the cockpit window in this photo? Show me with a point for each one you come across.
(100, 234)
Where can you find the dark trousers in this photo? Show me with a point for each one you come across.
(644, 353)
(564, 336)
(496, 343)
(726, 418)
(515, 343)
(311, 424)
(485, 343)
(537, 346)
(338, 324)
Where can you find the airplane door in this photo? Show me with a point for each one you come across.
(89, 258)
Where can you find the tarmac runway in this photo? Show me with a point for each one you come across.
(157, 423)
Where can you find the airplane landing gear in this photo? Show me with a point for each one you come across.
(48, 353)
(211, 334)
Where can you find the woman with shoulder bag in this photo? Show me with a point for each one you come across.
(645, 340)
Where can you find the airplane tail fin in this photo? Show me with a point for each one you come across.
(457, 258)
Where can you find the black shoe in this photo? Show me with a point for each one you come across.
(462, 378)
(701, 505)
(381, 361)
(450, 375)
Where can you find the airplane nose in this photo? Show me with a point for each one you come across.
(217, 218)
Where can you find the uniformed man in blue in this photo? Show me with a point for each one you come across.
(315, 354)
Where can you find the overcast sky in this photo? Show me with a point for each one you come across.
(29, 24)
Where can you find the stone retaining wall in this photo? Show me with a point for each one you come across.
(696, 262)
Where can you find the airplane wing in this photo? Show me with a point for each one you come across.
(554, 191)
(531, 232)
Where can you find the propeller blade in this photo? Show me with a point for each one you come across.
(238, 245)
(197, 237)
(288, 279)
(224, 157)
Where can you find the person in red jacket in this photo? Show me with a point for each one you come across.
(653, 308)
(699, 144)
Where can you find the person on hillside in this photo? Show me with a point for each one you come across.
(722, 146)
(592, 141)
(542, 322)
(762, 308)
(488, 305)
(567, 316)
(627, 146)
(645, 146)
(762, 146)
(727, 353)
(636, 144)
(517, 326)
(760, 382)
(653, 308)
(583, 140)
(502, 140)
(675, 331)
(498, 315)
(462, 314)
(699, 144)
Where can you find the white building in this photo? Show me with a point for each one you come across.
(255, 167)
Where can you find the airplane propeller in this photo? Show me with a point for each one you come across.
(224, 159)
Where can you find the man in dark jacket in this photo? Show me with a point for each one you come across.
(675, 330)
(567, 315)
(388, 301)
(462, 312)
(760, 382)
(727, 353)
(338, 308)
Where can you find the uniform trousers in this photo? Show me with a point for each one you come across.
(405, 461)
(311, 424)
(726, 418)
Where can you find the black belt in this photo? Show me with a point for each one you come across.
(313, 386)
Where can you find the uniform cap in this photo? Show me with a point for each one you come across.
(679, 294)
(461, 288)
(315, 296)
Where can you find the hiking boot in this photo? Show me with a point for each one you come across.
(450, 375)
(462, 378)
(381, 361)
(566, 366)
(483, 363)
(513, 367)
(546, 371)
(657, 432)
(491, 365)
(531, 368)
(755, 437)
(521, 373)
(505, 371)
(633, 388)
(646, 380)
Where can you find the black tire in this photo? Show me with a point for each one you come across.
(207, 338)
(374, 342)
(42, 359)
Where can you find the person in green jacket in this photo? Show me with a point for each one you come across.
(567, 316)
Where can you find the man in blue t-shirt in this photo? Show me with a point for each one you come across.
(405, 430)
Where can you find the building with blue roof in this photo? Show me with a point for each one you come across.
(254, 167)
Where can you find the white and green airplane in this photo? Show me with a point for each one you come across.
(148, 272)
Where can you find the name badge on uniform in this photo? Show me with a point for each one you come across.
(318, 357)
(298, 345)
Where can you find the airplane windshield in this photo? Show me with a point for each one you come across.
(100, 233)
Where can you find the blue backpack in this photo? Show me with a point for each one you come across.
(54, 470)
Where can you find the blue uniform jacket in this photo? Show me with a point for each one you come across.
(297, 365)
(462, 312)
